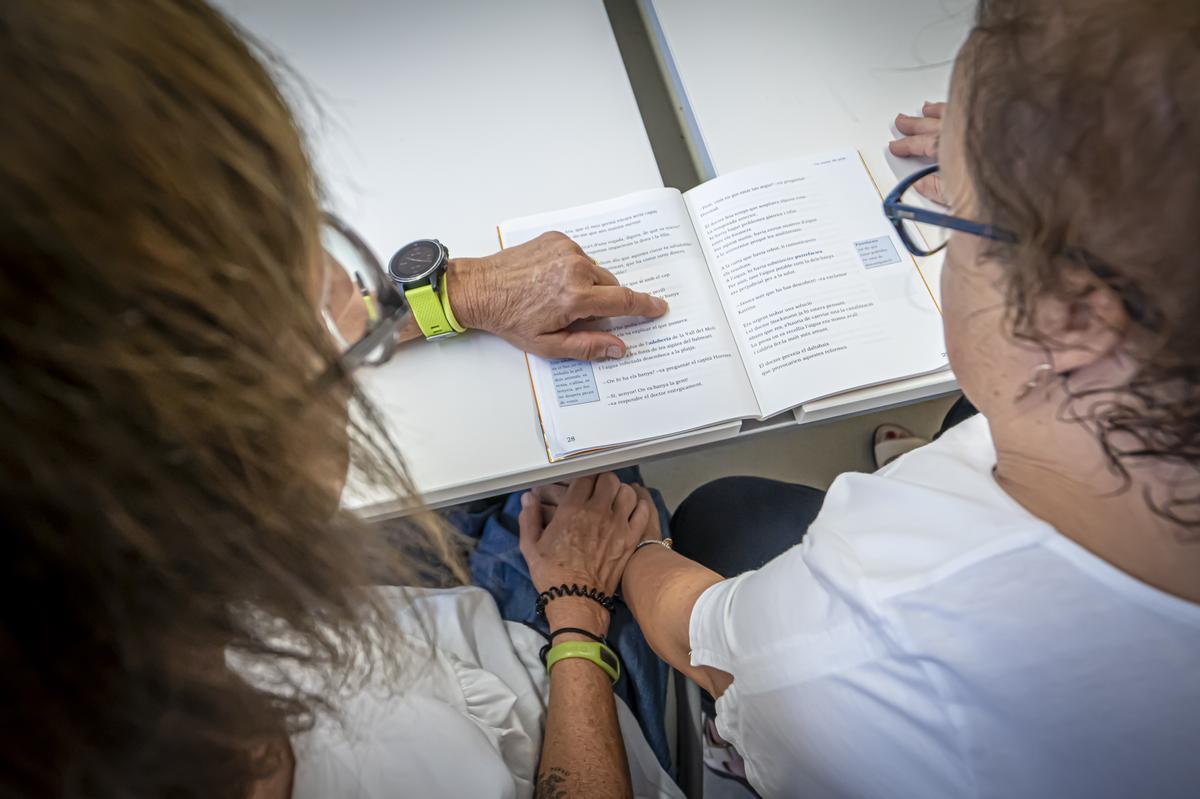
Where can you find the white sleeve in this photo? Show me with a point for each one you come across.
(801, 616)
(824, 700)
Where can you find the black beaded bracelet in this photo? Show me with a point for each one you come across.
(555, 591)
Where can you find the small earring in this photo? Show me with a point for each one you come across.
(1040, 376)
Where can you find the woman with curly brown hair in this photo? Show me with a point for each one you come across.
(187, 612)
(1013, 609)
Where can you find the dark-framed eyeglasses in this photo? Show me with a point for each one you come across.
(361, 307)
(925, 231)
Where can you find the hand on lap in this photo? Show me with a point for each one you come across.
(586, 540)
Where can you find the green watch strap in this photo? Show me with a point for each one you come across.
(426, 307)
(458, 328)
(594, 651)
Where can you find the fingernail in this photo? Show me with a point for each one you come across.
(661, 304)
(526, 499)
(614, 352)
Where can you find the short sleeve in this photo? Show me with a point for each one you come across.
(804, 615)
(818, 681)
(706, 628)
(856, 655)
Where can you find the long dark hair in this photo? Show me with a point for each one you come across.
(168, 476)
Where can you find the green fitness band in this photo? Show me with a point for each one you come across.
(594, 651)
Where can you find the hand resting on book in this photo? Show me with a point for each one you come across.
(532, 293)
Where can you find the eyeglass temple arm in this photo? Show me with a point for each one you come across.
(898, 211)
(359, 351)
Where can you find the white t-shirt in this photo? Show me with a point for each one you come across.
(931, 638)
(468, 723)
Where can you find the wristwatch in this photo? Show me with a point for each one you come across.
(419, 271)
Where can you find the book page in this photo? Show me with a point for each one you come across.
(821, 294)
(680, 372)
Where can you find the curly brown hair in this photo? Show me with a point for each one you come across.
(1083, 138)
(169, 476)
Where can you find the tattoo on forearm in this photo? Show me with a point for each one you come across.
(550, 784)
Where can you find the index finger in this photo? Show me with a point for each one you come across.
(923, 145)
(619, 301)
(552, 494)
(934, 109)
(639, 520)
(604, 277)
(580, 490)
(912, 126)
(529, 523)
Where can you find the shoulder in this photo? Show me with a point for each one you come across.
(463, 693)
(901, 535)
(933, 513)
(419, 743)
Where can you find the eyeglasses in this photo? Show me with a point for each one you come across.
(925, 232)
(360, 305)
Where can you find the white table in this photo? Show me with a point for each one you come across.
(442, 119)
(762, 80)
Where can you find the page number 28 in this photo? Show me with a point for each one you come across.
(570, 439)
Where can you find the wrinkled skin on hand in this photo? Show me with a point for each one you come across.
(586, 540)
(596, 523)
(532, 294)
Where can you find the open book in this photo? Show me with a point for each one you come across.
(786, 284)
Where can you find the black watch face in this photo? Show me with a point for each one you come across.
(414, 261)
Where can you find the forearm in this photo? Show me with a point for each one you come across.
(661, 588)
(583, 754)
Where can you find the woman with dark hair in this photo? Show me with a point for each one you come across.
(188, 613)
(1013, 609)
